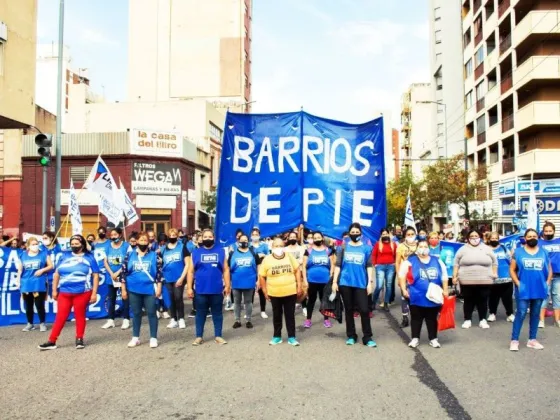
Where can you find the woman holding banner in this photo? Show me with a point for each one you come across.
(115, 254)
(552, 246)
(32, 268)
(75, 284)
(51, 246)
(502, 289)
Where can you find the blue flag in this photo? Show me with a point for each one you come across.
(281, 170)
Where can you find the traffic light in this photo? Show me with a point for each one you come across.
(44, 141)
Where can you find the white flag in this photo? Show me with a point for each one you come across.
(408, 216)
(128, 208)
(112, 210)
(532, 210)
(101, 181)
(74, 210)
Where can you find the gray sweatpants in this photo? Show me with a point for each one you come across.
(247, 300)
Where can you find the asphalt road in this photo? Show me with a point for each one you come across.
(473, 375)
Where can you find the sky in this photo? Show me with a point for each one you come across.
(341, 59)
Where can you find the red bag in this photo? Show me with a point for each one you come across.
(446, 319)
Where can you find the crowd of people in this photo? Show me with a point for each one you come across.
(291, 269)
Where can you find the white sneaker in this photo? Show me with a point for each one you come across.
(491, 318)
(166, 315)
(483, 324)
(109, 324)
(158, 314)
(541, 324)
(304, 312)
(510, 318)
(557, 323)
(264, 315)
(173, 324)
(466, 325)
(43, 327)
(182, 324)
(28, 327)
(134, 342)
(153, 343)
(435, 343)
(414, 343)
(125, 324)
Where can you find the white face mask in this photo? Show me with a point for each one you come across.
(255, 238)
(423, 252)
(46, 242)
(410, 239)
(34, 248)
(278, 252)
(474, 241)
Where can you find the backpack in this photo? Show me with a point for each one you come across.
(255, 256)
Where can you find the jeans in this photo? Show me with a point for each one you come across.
(177, 306)
(522, 306)
(503, 291)
(285, 306)
(39, 302)
(356, 299)
(247, 295)
(112, 298)
(385, 275)
(553, 293)
(203, 303)
(148, 302)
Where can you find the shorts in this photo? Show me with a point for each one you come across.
(553, 293)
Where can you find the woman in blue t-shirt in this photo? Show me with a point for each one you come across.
(175, 257)
(317, 268)
(49, 243)
(354, 272)
(75, 283)
(502, 289)
(262, 249)
(243, 265)
(32, 272)
(115, 254)
(531, 273)
(141, 283)
(552, 246)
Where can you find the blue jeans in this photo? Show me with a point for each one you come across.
(522, 306)
(553, 293)
(148, 302)
(214, 302)
(385, 275)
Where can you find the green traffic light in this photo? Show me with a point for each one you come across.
(44, 161)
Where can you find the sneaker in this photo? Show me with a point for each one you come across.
(514, 345)
(134, 342)
(414, 343)
(304, 311)
(249, 324)
(109, 324)
(293, 342)
(510, 318)
(125, 324)
(192, 314)
(182, 324)
(153, 343)
(371, 344)
(43, 327)
(220, 341)
(435, 343)
(466, 325)
(198, 341)
(158, 314)
(557, 323)
(350, 342)
(535, 345)
(80, 343)
(386, 308)
(483, 324)
(28, 327)
(275, 341)
(264, 315)
(229, 307)
(541, 324)
(237, 324)
(405, 322)
(327, 323)
(173, 324)
(166, 315)
(491, 318)
(307, 323)
(49, 345)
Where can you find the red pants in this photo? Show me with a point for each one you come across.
(66, 301)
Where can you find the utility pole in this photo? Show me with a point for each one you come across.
(58, 168)
(467, 213)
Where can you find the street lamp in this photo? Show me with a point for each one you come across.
(444, 117)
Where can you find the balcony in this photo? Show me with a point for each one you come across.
(541, 22)
(478, 38)
(480, 105)
(493, 134)
(480, 138)
(505, 44)
(503, 6)
(491, 59)
(493, 95)
(508, 165)
(479, 71)
(507, 123)
(537, 68)
(506, 83)
(476, 6)
(539, 113)
(538, 160)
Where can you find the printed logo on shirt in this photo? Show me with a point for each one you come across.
(320, 260)
(428, 274)
(533, 263)
(31, 265)
(209, 258)
(354, 257)
(171, 258)
(141, 266)
(552, 247)
(114, 260)
(244, 262)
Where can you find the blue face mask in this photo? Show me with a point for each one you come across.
(116, 240)
(421, 237)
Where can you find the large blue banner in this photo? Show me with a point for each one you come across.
(281, 170)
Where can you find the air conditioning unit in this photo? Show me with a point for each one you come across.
(3, 32)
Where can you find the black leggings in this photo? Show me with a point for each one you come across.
(39, 302)
(356, 299)
(503, 291)
(417, 316)
(177, 306)
(475, 296)
(284, 306)
(262, 300)
(314, 290)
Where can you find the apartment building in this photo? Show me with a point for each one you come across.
(512, 99)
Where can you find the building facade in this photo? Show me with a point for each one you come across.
(511, 54)
(396, 153)
(190, 49)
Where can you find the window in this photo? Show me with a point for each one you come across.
(438, 37)
(79, 173)
(467, 37)
(192, 179)
(479, 56)
(438, 58)
(468, 69)
(478, 26)
(481, 124)
(215, 132)
(480, 90)
(437, 13)
(469, 99)
(440, 129)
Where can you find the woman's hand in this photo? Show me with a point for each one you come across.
(124, 293)
(446, 293)
(454, 280)
(115, 277)
(55, 295)
(38, 273)
(405, 293)
(190, 293)
(369, 288)
(93, 298)
(179, 282)
(335, 287)
(158, 292)
(299, 290)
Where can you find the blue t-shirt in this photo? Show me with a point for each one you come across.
(76, 272)
(191, 246)
(353, 271)
(261, 248)
(553, 249)
(422, 274)
(173, 262)
(55, 253)
(142, 273)
(243, 267)
(116, 256)
(29, 283)
(532, 271)
(100, 253)
(504, 261)
(318, 266)
(435, 251)
(208, 265)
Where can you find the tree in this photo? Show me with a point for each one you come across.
(397, 192)
(208, 201)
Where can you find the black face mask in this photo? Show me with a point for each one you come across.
(549, 237)
(133, 246)
(172, 240)
(494, 243)
(399, 236)
(318, 243)
(243, 245)
(385, 239)
(355, 238)
(208, 243)
(292, 241)
(143, 248)
(90, 242)
(102, 235)
(531, 243)
(76, 249)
